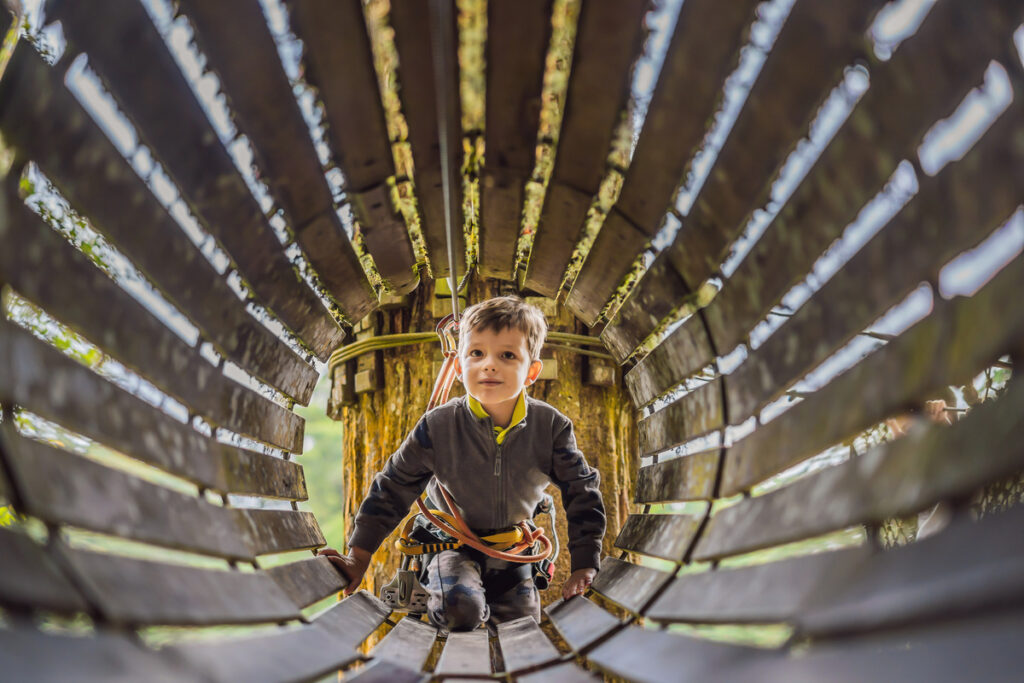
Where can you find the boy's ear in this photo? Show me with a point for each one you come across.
(534, 371)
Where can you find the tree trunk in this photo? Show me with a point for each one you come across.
(376, 421)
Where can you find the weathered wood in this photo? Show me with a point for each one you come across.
(308, 581)
(643, 655)
(339, 63)
(885, 127)
(609, 38)
(408, 644)
(823, 40)
(628, 585)
(580, 622)
(523, 644)
(969, 568)
(300, 653)
(767, 593)
(413, 41)
(139, 592)
(466, 652)
(688, 477)
(350, 621)
(57, 133)
(126, 330)
(892, 480)
(386, 672)
(945, 218)
(154, 94)
(29, 579)
(61, 488)
(680, 355)
(695, 414)
(664, 536)
(517, 43)
(707, 33)
(238, 46)
(278, 531)
(562, 673)
(958, 339)
(39, 378)
(31, 655)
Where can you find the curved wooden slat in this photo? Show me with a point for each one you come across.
(665, 536)
(308, 581)
(707, 33)
(126, 330)
(408, 644)
(137, 592)
(823, 40)
(57, 133)
(580, 622)
(951, 213)
(416, 74)
(386, 672)
(517, 42)
(896, 479)
(237, 43)
(466, 652)
(688, 477)
(353, 619)
(278, 531)
(154, 94)
(562, 673)
(29, 578)
(523, 644)
(42, 380)
(628, 585)
(695, 414)
(685, 351)
(339, 63)
(958, 339)
(609, 38)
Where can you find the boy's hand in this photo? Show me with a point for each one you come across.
(352, 566)
(578, 582)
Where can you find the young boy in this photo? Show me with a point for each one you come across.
(495, 450)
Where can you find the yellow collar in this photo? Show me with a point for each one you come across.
(518, 415)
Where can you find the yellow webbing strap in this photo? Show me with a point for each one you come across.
(405, 544)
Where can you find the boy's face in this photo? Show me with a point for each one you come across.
(495, 365)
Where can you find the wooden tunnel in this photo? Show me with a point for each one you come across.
(774, 244)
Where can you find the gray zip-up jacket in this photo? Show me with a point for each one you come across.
(494, 486)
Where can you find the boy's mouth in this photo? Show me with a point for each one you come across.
(490, 382)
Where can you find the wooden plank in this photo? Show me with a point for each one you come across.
(628, 585)
(892, 480)
(517, 43)
(609, 38)
(680, 355)
(339, 63)
(139, 592)
(126, 330)
(769, 593)
(643, 655)
(74, 153)
(695, 414)
(153, 93)
(823, 39)
(580, 622)
(709, 34)
(562, 673)
(944, 219)
(238, 46)
(959, 338)
(300, 653)
(416, 74)
(29, 578)
(307, 581)
(61, 488)
(885, 127)
(278, 531)
(31, 655)
(466, 652)
(353, 619)
(42, 380)
(969, 568)
(386, 672)
(688, 477)
(407, 644)
(666, 536)
(523, 644)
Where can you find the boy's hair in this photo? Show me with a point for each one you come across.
(502, 312)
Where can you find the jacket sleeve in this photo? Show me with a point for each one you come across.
(394, 489)
(581, 497)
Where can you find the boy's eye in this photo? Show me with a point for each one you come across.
(475, 353)
(508, 355)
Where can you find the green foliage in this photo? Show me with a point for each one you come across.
(321, 461)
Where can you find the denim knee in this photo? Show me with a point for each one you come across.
(464, 609)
